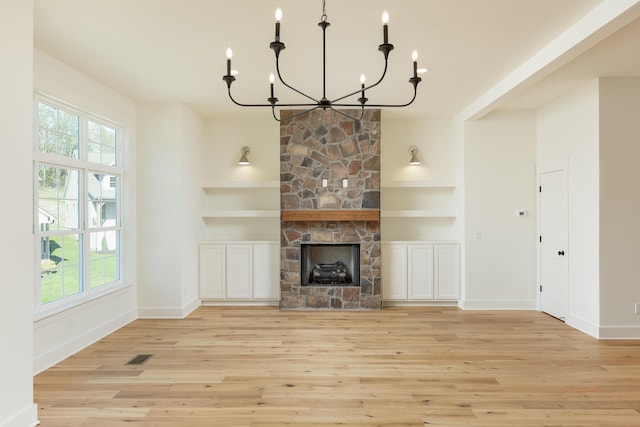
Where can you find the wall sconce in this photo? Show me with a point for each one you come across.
(413, 150)
(243, 158)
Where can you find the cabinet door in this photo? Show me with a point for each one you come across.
(447, 272)
(239, 272)
(266, 271)
(394, 272)
(420, 271)
(212, 271)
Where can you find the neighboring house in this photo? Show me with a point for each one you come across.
(45, 219)
(101, 208)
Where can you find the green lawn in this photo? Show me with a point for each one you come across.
(61, 276)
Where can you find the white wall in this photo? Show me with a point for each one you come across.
(568, 139)
(16, 85)
(170, 138)
(193, 134)
(500, 247)
(440, 155)
(619, 207)
(61, 335)
(225, 137)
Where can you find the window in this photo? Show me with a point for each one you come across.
(78, 181)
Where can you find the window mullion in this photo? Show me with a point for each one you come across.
(85, 232)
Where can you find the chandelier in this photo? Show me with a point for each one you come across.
(324, 103)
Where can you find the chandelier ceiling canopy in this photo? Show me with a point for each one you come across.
(314, 102)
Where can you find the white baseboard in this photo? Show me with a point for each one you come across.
(240, 303)
(397, 303)
(168, 312)
(497, 304)
(619, 332)
(583, 325)
(604, 332)
(28, 417)
(190, 307)
(69, 348)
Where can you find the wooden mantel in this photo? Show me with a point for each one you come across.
(331, 215)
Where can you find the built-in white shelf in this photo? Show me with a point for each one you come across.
(212, 185)
(257, 213)
(416, 214)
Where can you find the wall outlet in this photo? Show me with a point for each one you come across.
(637, 306)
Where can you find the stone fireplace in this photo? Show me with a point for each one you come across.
(330, 208)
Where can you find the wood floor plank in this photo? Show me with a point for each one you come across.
(402, 366)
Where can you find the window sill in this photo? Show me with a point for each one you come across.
(79, 302)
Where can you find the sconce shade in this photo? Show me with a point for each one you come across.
(243, 158)
(413, 150)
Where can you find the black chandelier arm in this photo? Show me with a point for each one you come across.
(289, 86)
(415, 93)
(384, 73)
(294, 115)
(240, 104)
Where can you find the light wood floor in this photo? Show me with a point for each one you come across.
(395, 367)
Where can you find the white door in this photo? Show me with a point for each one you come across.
(554, 272)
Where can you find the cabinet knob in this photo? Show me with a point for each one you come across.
(561, 253)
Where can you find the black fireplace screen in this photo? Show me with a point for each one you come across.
(330, 264)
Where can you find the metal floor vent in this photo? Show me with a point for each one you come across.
(140, 359)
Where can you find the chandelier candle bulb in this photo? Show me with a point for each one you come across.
(229, 56)
(414, 56)
(385, 27)
(271, 80)
(362, 80)
(278, 18)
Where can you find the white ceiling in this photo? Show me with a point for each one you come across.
(174, 50)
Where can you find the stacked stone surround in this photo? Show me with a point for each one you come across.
(327, 145)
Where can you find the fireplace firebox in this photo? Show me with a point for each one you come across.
(330, 264)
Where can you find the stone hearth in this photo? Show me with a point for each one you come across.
(329, 164)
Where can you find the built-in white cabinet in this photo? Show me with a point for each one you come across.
(266, 271)
(239, 266)
(240, 271)
(394, 271)
(420, 271)
(213, 271)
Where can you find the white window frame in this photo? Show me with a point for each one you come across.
(84, 229)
